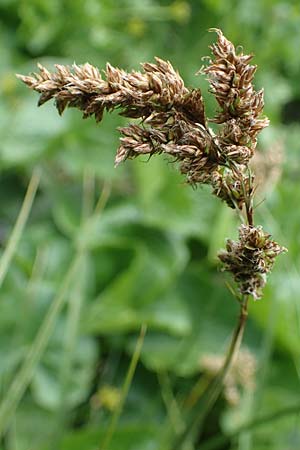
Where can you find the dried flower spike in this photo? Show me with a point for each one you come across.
(250, 259)
(172, 122)
(172, 116)
(231, 82)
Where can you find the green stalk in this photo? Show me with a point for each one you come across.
(218, 440)
(75, 302)
(172, 407)
(24, 376)
(127, 383)
(215, 388)
(72, 326)
(19, 226)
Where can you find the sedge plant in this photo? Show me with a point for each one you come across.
(170, 119)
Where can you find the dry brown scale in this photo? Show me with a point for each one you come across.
(172, 121)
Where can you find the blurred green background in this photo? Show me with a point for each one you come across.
(113, 249)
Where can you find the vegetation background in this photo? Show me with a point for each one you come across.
(107, 250)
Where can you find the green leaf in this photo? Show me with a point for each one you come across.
(137, 294)
(33, 129)
(168, 203)
(129, 436)
(46, 388)
(212, 315)
(113, 228)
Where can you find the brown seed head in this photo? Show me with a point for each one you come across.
(250, 259)
(230, 76)
(172, 117)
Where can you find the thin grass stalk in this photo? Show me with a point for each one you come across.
(75, 301)
(24, 376)
(214, 389)
(88, 192)
(20, 223)
(217, 441)
(173, 409)
(74, 307)
(105, 193)
(125, 389)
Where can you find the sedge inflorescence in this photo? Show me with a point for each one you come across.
(250, 259)
(172, 121)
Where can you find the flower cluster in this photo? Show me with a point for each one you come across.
(172, 121)
(250, 259)
(230, 76)
(172, 116)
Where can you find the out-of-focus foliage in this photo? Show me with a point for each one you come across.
(147, 254)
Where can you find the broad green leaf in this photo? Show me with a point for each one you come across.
(33, 130)
(212, 313)
(113, 228)
(46, 388)
(136, 295)
(168, 203)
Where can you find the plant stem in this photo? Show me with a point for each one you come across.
(125, 388)
(231, 355)
(19, 225)
(33, 356)
(249, 201)
(237, 337)
(218, 440)
(215, 388)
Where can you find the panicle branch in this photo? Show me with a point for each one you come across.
(231, 82)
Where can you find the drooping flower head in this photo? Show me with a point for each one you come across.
(170, 119)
